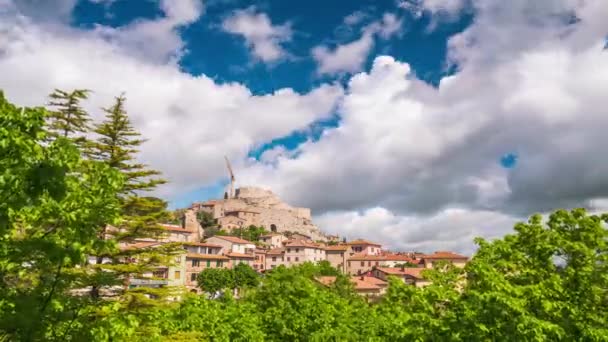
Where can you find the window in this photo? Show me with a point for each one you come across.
(178, 274)
(362, 263)
(208, 263)
(297, 259)
(297, 250)
(288, 250)
(273, 228)
(196, 263)
(349, 264)
(274, 258)
(193, 276)
(369, 263)
(178, 259)
(288, 259)
(377, 263)
(218, 263)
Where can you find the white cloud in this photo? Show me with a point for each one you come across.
(451, 229)
(191, 122)
(263, 38)
(410, 165)
(351, 57)
(344, 58)
(529, 83)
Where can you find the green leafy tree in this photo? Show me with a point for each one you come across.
(205, 219)
(116, 146)
(213, 280)
(245, 276)
(68, 119)
(324, 268)
(52, 204)
(545, 282)
(251, 233)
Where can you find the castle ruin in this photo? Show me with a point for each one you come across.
(260, 207)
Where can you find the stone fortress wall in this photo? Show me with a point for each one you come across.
(267, 210)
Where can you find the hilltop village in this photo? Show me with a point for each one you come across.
(291, 239)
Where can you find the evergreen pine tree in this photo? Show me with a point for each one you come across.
(67, 118)
(117, 145)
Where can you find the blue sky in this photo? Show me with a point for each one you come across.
(420, 124)
(225, 57)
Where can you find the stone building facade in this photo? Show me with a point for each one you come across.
(260, 207)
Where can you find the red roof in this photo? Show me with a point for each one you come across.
(276, 251)
(363, 242)
(239, 255)
(444, 255)
(234, 239)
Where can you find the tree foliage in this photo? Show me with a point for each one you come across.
(215, 279)
(52, 204)
(67, 118)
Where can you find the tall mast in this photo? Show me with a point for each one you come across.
(231, 191)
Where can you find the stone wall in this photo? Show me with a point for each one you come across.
(274, 215)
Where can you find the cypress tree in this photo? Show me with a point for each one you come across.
(117, 145)
(67, 118)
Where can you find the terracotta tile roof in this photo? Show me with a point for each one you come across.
(276, 251)
(415, 272)
(239, 255)
(363, 242)
(175, 228)
(206, 256)
(399, 257)
(234, 239)
(368, 283)
(201, 244)
(336, 248)
(444, 255)
(326, 280)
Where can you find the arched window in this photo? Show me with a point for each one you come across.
(273, 228)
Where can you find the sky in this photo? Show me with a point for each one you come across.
(420, 124)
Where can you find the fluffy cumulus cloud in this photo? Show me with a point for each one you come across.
(451, 229)
(190, 122)
(531, 81)
(261, 35)
(351, 56)
(410, 165)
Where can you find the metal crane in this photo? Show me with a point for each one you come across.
(231, 191)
